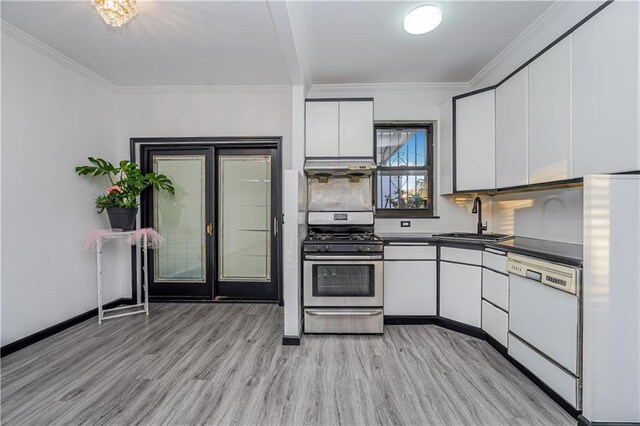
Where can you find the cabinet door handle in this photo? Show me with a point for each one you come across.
(275, 226)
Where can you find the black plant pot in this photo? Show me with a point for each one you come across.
(122, 217)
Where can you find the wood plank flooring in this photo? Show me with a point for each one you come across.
(224, 364)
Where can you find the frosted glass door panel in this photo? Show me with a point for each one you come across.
(180, 219)
(245, 218)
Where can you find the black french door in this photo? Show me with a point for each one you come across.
(247, 226)
(183, 266)
(220, 227)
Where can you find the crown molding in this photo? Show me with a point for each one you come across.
(391, 87)
(201, 90)
(46, 50)
(539, 25)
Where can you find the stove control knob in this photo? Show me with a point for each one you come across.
(359, 248)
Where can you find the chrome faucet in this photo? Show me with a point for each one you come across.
(477, 208)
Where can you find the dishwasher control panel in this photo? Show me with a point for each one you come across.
(562, 277)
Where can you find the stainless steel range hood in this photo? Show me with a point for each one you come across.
(323, 168)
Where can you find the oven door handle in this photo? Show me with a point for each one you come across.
(327, 313)
(343, 257)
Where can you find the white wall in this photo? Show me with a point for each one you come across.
(295, 230)
(611, 329)
(554, 215)
(224, 112)
(53, 118)
(414, 103)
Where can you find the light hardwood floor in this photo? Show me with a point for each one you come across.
(224, 364)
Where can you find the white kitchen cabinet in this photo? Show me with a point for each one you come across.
(410, 252)
(410, 287)
(356, 129)
(495, 322)
(445, 149)
(605, 91)
(495, 260)
(322, 129)
(475, 142)
(511, 131)
(339, 128)
(495, 289)
(460, 293)
(453, 254)
(549, 124)
(563, 383)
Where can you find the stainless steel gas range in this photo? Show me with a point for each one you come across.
(343, 267)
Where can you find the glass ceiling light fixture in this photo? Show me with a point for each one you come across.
(116, 12)
(422, 19)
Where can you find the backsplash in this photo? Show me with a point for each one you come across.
(554, 215)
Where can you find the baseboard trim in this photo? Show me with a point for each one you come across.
(583, 421)
(469, 330)
(497, 346)
(410, 320)
(170, 300)
(290, 340)
(57, 328)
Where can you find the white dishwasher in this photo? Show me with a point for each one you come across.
(545, 321)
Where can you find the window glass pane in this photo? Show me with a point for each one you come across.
(401, 147)
(245, 218)
(405, 190)
(343, 281)
(180, 219)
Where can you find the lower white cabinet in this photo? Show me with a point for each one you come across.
(495, 322)
(410, 287)
(461, 293)
(495, 288)
(563, 383)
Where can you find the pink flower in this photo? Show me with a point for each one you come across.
(113, 188)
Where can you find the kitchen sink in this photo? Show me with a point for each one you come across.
(473, 236)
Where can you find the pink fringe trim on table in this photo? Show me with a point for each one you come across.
(135, 238)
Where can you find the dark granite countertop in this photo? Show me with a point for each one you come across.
(408, 238)
(570, 254)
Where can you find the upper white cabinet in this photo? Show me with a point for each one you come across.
(550, 115)
(445, 150)
(322, 129)
(356, 129)
(511, 131)
(605, 91)
(339, 128)
(475, 142)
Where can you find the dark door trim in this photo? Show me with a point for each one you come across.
(274, 142)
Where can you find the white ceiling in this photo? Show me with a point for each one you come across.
(194, 43)
(211, 43)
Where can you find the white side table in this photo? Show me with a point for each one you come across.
(138, 308)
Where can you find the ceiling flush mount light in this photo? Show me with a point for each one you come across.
(422, 19)
(116, 12)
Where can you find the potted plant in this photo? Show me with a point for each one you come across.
(120, 199)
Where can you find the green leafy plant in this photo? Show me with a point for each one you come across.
(127, 182)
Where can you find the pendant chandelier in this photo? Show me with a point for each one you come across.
(116, 12)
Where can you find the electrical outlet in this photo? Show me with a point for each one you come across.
(405, 223)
